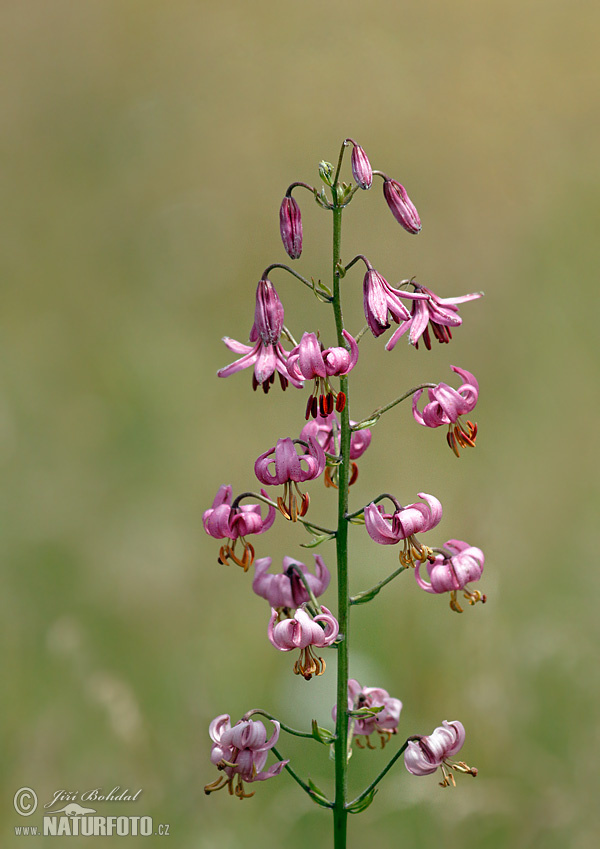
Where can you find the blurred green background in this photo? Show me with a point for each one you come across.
(146, 147)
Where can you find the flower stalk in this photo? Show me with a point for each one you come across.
(327, 447)
(340, 814)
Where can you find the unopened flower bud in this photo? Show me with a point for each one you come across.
(326, 172)
(361, 167)
(401, 206)
(290, 225)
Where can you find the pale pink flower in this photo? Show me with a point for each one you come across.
(288, 470)
(241, 751)
(441, 313)
(310, 361)
(222, 521)
(389, 529)
(322, 429)
(385, 723)
(302, 632)
(381, 302)
(446, 406)
(452, 571)
(286, 589)
(326, 431)
(425, 754)
(267, 355)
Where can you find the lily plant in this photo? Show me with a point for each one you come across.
(327, 444)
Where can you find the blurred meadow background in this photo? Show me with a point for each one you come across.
(146, 147)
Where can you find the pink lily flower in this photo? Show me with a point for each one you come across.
(223, 521)
(425, 754)
(267, 355)
(404, 524)
(286, 590)
(452, 571)
(441, 313)
(287, 470)
(241, 751)
(309, 361)
(381, 300)
(361, 167)
(302, 633)
(446, 406)
(325, 430)
(385, 722)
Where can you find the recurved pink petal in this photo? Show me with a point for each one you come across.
(378, 526)
(328, 636)
(245, 362)
(273, 770)
(266, 362)
(310, 358)
(217, 522)
(219, 726)
(237, 347)
(417, 761)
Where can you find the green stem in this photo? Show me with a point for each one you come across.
(340, 814)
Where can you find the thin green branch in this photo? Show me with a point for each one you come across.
(383, 772)
(283, 726)
(260, 497)
(338, 169)
(361, 333)
(376, 414)
(308, 283)
(298, 780)
(393, 499)
(367, 595)
(287, 332)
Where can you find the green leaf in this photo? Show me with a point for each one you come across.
(317, 795)
(363, 598)
(357, 520)
(321, 734)
(317, 540)
(366, 711)
(366, 423)
(357, 807)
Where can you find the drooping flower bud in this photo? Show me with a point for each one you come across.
(290, 226)
(361, 167)
(268, 314)
(401, 206)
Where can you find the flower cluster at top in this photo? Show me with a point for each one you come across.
(327, 444)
